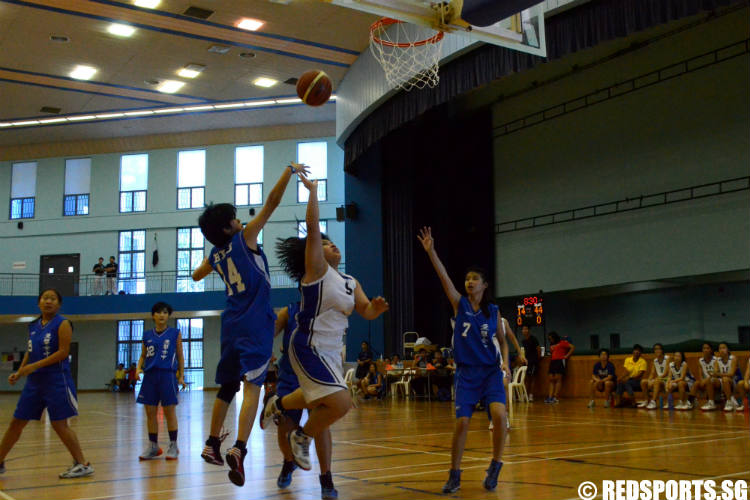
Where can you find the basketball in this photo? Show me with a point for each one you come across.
(314, 87)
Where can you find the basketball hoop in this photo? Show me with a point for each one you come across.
(408, 59)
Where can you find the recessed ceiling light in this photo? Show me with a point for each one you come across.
(250, 24)
(82, 72)
(264, 82)
(120, 29)
(149, 4)
(170, 86)
(191, 70)
(218, 49)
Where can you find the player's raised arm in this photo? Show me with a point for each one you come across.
(203, 270)
(428, 243)
(252, 228)
(368, 309)
(315, 262)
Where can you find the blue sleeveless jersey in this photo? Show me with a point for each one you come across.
(161, 349)
(248, 288)
(472, 335)
(44, 342)
(286, 373)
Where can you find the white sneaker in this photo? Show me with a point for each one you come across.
(709, 406)
(591, 404)
(492, 426)
(729, 406)
(269, 412)
(738, 406)
(680, 406)
(688, 405)
(531, 398)
(606, 404)
(172, 451)
(300, 444)
(642, 404)
(153, 451)
(77, 470)
(651, 405)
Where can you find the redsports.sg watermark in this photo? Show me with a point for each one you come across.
(627, 489)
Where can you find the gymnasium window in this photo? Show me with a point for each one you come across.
(189, 256)
(302, 228)
(192, 350)
(315, 156)
(248, 175)
(133, 182)
(132, 262)
(191, 179)
(77, 186)
(23, 190)
(129, 338)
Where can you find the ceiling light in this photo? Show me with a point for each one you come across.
(199, 108)
(81, 117)
(191, 70)
(170, 86)
(264, 82)
(82, 72)
(230, 105)
(296, 100)
(169, 110)
(107, 116)
(121, 29)
(139, 113)
(25, 123)
(250, 24)
(8, 124)
(149, 4)
(53, 120)
(260, 103)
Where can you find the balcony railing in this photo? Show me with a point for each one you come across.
(27, 284)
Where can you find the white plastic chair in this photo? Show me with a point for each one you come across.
(349, 379)
(518, 386)
(404, 383)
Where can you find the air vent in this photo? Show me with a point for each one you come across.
(51, 110)
(152, 81)
(291, 81)
(247, 55)
(59, 38)
(218, 49)
(198, 13)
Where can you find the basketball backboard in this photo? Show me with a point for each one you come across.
(523, 31)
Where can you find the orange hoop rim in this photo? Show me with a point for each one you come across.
(384, 22)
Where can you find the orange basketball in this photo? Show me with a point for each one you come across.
(314, 87)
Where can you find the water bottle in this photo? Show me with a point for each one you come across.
(670, 402)
(661, 402)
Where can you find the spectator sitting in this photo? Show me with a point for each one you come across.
(561, 351)
(98, 271)
(119, 383)
(603, 378)
(421, 359)
(533, 354)
(131, 377)
(395, 363)
(111, 270)
(441, 379)
(635, 367)
(372, 383)
(364, 359)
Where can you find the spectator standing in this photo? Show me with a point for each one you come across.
(98, 271)
(561, 351)
(533, 354)
(364, 358)
(111, 270)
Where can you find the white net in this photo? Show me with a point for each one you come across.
(410, 60)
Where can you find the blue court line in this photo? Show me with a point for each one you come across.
(142, 108)
(224, 26)
(94, 82)
(180, 33)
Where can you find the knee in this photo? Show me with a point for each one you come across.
(609, 385)
(462, 424)
(227, 391)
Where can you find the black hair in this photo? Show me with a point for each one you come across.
(683, 356)
(484, 304)
(101, 258)
(555, 337)
(59, 295)
(725, 343)
(160, 306)
(366, 343)
(291, 254)
(111, 256)
(395, 355)
(214, 220)
(603, 350)
(638, 347)
(658, 344)
(709, 344)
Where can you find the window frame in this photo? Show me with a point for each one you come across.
(132, 192)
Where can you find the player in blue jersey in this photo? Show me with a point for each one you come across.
(49, 383)
(478, 375)
(163, 366)
(247, 323)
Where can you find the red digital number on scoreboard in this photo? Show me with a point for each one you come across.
(530, 301)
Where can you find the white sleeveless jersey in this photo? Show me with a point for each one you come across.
(661, 367)
(724, 367)
(675, 371)
(325, 309)
(707, 367)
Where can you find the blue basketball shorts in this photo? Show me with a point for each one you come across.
(288, 384)
(243, 359)
(158, 386)
(54, 391)
(474, 383)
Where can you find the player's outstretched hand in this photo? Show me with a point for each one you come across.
(309, 184)
(13, 378)
(425, 238)
(300, 169)
(380, 305)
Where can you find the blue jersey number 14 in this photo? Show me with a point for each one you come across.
(234, 277)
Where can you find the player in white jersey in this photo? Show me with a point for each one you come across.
(328, 298)
(680, 379)
(657, 378)
(705, 381)
(727, 372)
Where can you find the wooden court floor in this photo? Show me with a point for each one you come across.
(382, 450)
